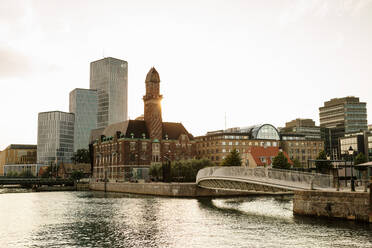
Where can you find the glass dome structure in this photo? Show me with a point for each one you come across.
(264, 131)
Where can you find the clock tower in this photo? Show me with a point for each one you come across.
(152, 99)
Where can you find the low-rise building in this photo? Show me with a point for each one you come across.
(17, 154)
(256, 156)
(300, 148)
(216, 145)
(304, 127)
(359, 142)
(302, 140)
(17, 169)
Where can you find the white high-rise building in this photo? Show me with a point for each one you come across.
(83, 103)
(55, 137)
(109, 76)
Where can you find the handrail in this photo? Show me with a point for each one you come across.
(265, 175)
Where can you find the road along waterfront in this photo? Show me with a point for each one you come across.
(98, 219)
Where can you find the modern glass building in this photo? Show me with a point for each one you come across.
(346, 113)
(55, 137)
(342, 116)
(83, 103)
(109, 76)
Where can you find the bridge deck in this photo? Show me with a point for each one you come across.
(266, 177)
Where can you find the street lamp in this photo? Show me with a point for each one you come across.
(351, 152)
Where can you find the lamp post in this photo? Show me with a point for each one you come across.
(351, 152)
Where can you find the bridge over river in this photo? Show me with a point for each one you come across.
(239, 178)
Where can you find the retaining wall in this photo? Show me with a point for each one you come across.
(163, 189)
(345, 205)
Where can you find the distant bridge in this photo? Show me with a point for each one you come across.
(239, 178)
(35, 181)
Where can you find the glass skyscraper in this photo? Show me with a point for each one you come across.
(55, 137)
(83, 103)
(109, 76)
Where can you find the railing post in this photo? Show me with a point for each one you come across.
(312, 183)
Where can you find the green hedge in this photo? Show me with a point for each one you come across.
(181, 171)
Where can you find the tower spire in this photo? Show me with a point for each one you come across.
(152, 105)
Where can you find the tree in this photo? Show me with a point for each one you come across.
(296, 163)
(26, 174)
(360, 158)
(12, 174)
(233, 159)
(76, 175)
(81, 156)
(323, 166)
(281, 162)
(155, 172)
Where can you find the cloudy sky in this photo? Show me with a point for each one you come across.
(257, 61)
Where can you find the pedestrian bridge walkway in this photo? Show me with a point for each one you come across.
(239, 178)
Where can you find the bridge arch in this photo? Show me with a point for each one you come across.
(239, 178)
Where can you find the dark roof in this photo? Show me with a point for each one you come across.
(152, 76)
(174, 130)
(138, 128)
(21, 146)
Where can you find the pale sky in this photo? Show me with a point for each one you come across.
(258, 61)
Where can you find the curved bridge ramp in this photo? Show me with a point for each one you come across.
(245, 179)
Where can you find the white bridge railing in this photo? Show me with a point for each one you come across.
(266, 175)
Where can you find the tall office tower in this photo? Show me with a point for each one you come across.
(109, 76)
(83, 103)
(346, 113)
(341, 116)
(55, 137)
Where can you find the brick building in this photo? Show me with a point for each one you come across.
(302, 140)
(129, 148)
(302, 149)
(261, 156)
(218, 144)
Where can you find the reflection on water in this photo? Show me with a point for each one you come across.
(97, 219)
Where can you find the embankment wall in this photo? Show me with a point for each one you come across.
(163, 189)
(345, 205)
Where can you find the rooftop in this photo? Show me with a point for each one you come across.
(21, 146)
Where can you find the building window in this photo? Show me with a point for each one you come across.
(230, 143)
(223, 150)
(144, 146)
(223, 143)
(132, 146)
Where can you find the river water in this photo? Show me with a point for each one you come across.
(96, 219)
